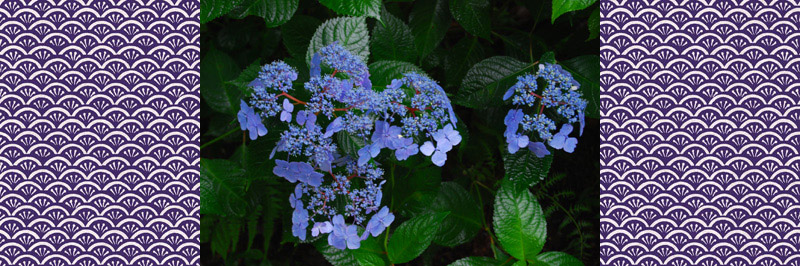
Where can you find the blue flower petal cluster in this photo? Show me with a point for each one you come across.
(249, 120)
(335, 191)
(559, 94)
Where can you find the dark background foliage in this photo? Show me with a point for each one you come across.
(519, 29)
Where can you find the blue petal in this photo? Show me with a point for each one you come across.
(565, 129)
(538, 149)
(315, 65)
(569, 145)
(582, 119)
(558, 141)
(439, 158)
(508, 93)
(427, 148)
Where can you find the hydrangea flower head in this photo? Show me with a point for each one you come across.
(532, 129)
(335, 191)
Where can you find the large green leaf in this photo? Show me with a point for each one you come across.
(413, 236)
(480, 86)
(392, 40)
(412, 190)
(476, 261)
(248, 75)
(429, 21)
(358, 8)
(274, 12)
(466, 53)
(216, 68)
(225, 236)
(594, 24)
(222, 187)
(524, 169)
(555, 258)
(563, 6)
(351, 33)
(518, 222)
(586, 70)
(465, 217)
(383, 72)
(473, 15)
(297, 34)
(349, 143)
(211, 9)
(370, 253)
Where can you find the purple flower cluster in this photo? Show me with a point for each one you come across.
(559, 94)
(339, 193)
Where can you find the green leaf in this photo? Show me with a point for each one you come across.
(524, 169)
(248, 75)
(563, 6)
(594, 24)
(349, 143)
(358, 8)
(466, 53)
(351, 33)
(383, 72)
(370, 253)
(413, 189)
(429, 21)
(225, 237)
(518, 222)
(392, 40)
(465, 217)
(335, 256)
(487, 80)
(274, 12)
(222, 186)
(548, 57)
(477, 261)
(473, 15)
(586, 70)
(555, 258)
(215, 69)
(211, 9)
(297, 34)
(413, 236)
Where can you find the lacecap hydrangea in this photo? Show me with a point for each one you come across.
(338, 194)
(559, 94)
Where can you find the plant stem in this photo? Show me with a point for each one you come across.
(218, 138)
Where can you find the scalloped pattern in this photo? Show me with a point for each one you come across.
(99, 133)
(699, 136)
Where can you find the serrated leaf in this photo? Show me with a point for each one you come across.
(370, 253)
(555, 258)
(335, 256)
(480, 86)
(222, 186)
(413, 236)
(518, 222)
(211, 9)
(586, 70)
(594, 24)
(246, 76)
(563, 6)
(358, 8)
(297, 34)
(548, 57)
(383, 72)
(392, 40)
(476, 261)
(520, 263)
(215, 69)
(351, 33)
(465, 217)
(274, 12)
(413, 189)
(466, 53)
(225, 237)
(429, 21)
(473, 15)
(349, 143)
(524, 169)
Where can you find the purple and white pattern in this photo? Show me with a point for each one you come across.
(99, 133)
(699, 136)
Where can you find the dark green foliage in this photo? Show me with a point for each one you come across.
(484, 207)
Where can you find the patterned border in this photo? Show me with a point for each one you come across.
(99, 133)
(699, 141)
